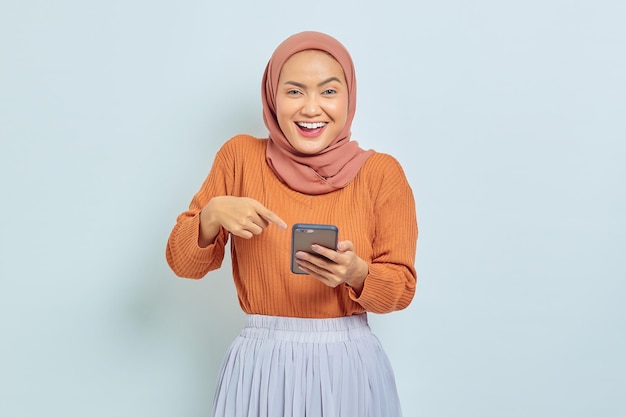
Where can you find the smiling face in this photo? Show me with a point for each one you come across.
(311, 101)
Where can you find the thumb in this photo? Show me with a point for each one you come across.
(344, 246)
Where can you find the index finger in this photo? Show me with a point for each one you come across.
(271, 217)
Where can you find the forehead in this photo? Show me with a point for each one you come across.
(311, 62)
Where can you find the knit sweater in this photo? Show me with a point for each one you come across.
(376, 212)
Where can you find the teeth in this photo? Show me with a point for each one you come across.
(311, 125)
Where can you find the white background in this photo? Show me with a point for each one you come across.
(509, 118)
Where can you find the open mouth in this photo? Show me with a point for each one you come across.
(311, 129)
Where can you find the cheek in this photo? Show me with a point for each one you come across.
(284, 107)
(285, 123)
(281, 114)
(341, 111)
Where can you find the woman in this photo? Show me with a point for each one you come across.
(307, 349)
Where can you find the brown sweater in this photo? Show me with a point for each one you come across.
(376, 211)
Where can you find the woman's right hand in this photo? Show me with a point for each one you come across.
(241, 216)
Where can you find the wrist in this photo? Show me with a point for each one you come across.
(209, 228)
(357, 281)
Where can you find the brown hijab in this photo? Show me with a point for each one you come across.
(337, 165)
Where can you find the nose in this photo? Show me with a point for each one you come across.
(311, 106)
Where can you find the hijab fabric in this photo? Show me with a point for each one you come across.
(338, 164)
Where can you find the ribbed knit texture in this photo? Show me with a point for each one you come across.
(376, 211)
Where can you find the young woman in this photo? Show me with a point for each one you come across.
(307, 349)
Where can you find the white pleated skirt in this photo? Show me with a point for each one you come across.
(292, 367)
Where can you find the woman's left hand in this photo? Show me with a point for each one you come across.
(336, 267)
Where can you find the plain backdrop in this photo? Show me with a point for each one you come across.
(509, 118)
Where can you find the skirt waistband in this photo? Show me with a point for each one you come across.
(306, 330)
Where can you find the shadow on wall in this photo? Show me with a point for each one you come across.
(173, 328)
(186, 323)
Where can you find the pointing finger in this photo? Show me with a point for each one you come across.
(272, 217)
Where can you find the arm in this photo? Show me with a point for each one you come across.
(196, 244)
(190, 254)
(390, 283)
(387, 281)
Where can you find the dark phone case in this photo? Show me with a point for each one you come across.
(304, 235)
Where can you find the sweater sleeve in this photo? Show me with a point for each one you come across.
(390, 284)
(184, 256)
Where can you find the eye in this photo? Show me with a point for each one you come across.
(293, 92)
(329, 91)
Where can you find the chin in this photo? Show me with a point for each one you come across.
(308, 146)
(309, 150)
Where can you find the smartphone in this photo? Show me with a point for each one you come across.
(304, 235)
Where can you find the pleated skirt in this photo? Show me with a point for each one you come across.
(292, 367)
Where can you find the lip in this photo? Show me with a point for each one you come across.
(311, 133)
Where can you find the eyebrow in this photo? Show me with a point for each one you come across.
(319, 85)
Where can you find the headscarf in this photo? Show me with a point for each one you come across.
(337, 165)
